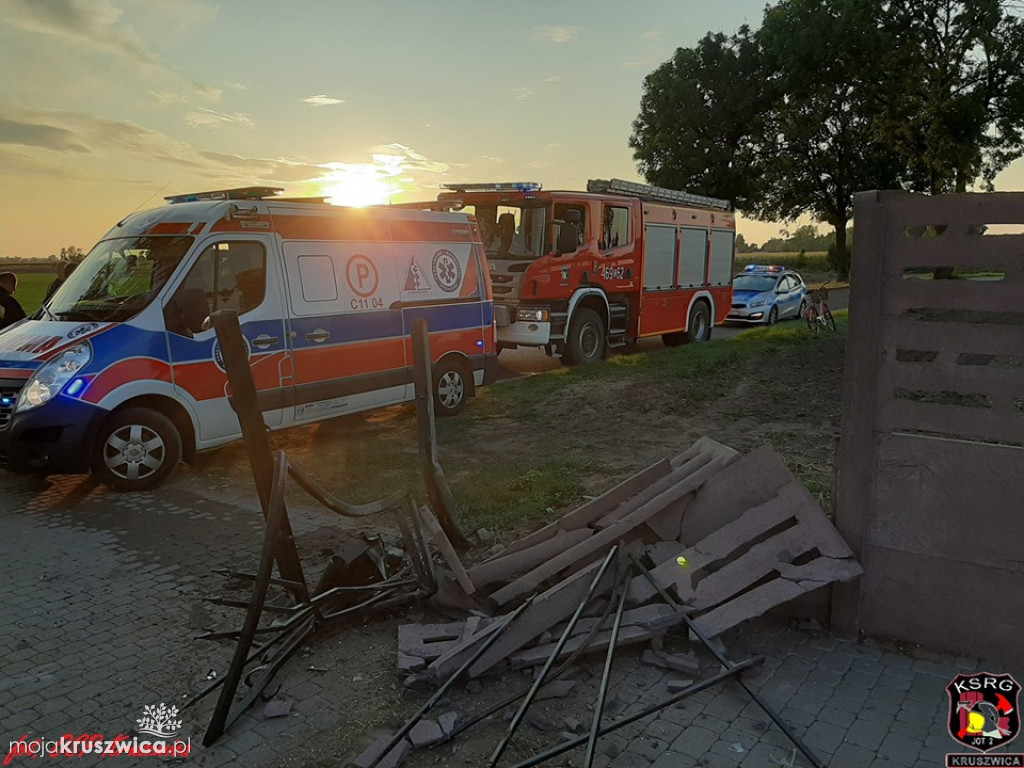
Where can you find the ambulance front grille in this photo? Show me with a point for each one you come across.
(8, 399)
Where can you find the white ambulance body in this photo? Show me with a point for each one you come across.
(121, 373)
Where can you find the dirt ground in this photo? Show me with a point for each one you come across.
(791, 400)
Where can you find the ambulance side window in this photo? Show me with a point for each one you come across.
(227, 275)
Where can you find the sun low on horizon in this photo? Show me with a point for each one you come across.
(362, 184)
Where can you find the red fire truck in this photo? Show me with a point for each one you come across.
(578, 272)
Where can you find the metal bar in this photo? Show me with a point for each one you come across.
(291, 586)
(565, 746)
(275, 514)
(602, 693)
(440, 493)
(440, 692)
(725, 662)
(570, 659)
(245, 401)
(405, 523)
(318, 492)
(566, 633)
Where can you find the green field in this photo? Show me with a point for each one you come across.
(32, 288)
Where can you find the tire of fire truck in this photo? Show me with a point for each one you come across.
(136, 449)
(699, 326)
(451, 387)
(585, 341)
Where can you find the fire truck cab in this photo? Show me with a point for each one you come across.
(577, 272)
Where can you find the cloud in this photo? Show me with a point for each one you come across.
(39, 135)
(91, 23)
(555, 34)
(545, 158)
(207, 118)
(522, 93)
(322, 100)
(554, 79)
(653, 34)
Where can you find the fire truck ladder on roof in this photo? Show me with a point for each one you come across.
(655, 194)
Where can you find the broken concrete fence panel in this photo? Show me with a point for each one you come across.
(546, 610)
(617, 530)
(830, 543)
(667, 524)
(798, 580)
(447, 722)
(373, 754)
(652, 658)
(704, 444)
(761, 559)
(503, 569)
(587, 513)
(428, 641)
(720, 544)
(410, 664)
(662, 551)
(447, 551)
(659, 486)
(425, 733)
(684, 663)
(750, 480)
(537, 655)
(657, 616)
(445, 665)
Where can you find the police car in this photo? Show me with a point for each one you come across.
(766, 294)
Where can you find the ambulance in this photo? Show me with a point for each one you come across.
(120, 372)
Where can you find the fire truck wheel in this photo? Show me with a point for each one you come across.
(699, 327)
(451, 387)
(585, 340)
(136, 449)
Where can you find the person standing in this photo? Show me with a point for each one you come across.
(10, 310)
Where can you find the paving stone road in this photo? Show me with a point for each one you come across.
(103, 595)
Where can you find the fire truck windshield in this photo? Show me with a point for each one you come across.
(118, 278)
(512, 232)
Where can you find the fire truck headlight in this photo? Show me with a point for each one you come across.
(51, 378)
(533, 314)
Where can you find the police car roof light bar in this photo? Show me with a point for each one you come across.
(238, 193)
(500, 186)
(654, 194)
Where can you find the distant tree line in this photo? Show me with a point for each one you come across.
(831, 97)
(804, 238)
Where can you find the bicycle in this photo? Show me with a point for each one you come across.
(818, 314)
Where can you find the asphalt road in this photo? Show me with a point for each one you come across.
(525, 361)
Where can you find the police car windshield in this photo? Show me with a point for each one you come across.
(757, 283)
(512, 231)
(118, 278)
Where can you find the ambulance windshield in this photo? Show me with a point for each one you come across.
(512, 232)
(118, 279)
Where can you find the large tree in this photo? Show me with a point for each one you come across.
(955, 106)
(830, 97)
(698, 127)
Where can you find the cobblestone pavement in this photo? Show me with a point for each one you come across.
(103, 595)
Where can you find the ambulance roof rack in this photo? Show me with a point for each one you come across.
(655, 194)
(239, 193)
(500, 186)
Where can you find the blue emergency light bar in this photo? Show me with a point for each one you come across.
(238, 193)
(763, 268)
(501, 186)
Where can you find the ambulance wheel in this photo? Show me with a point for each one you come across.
(451, 387)
(136, 449)
(585, 340)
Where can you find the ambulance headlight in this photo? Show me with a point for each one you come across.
(53, 376)
(533, 314)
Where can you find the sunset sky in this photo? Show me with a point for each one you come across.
(108, 105)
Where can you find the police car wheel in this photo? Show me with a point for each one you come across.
(136, 449)
(773, 316)
(585, 341)
(451, 388)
